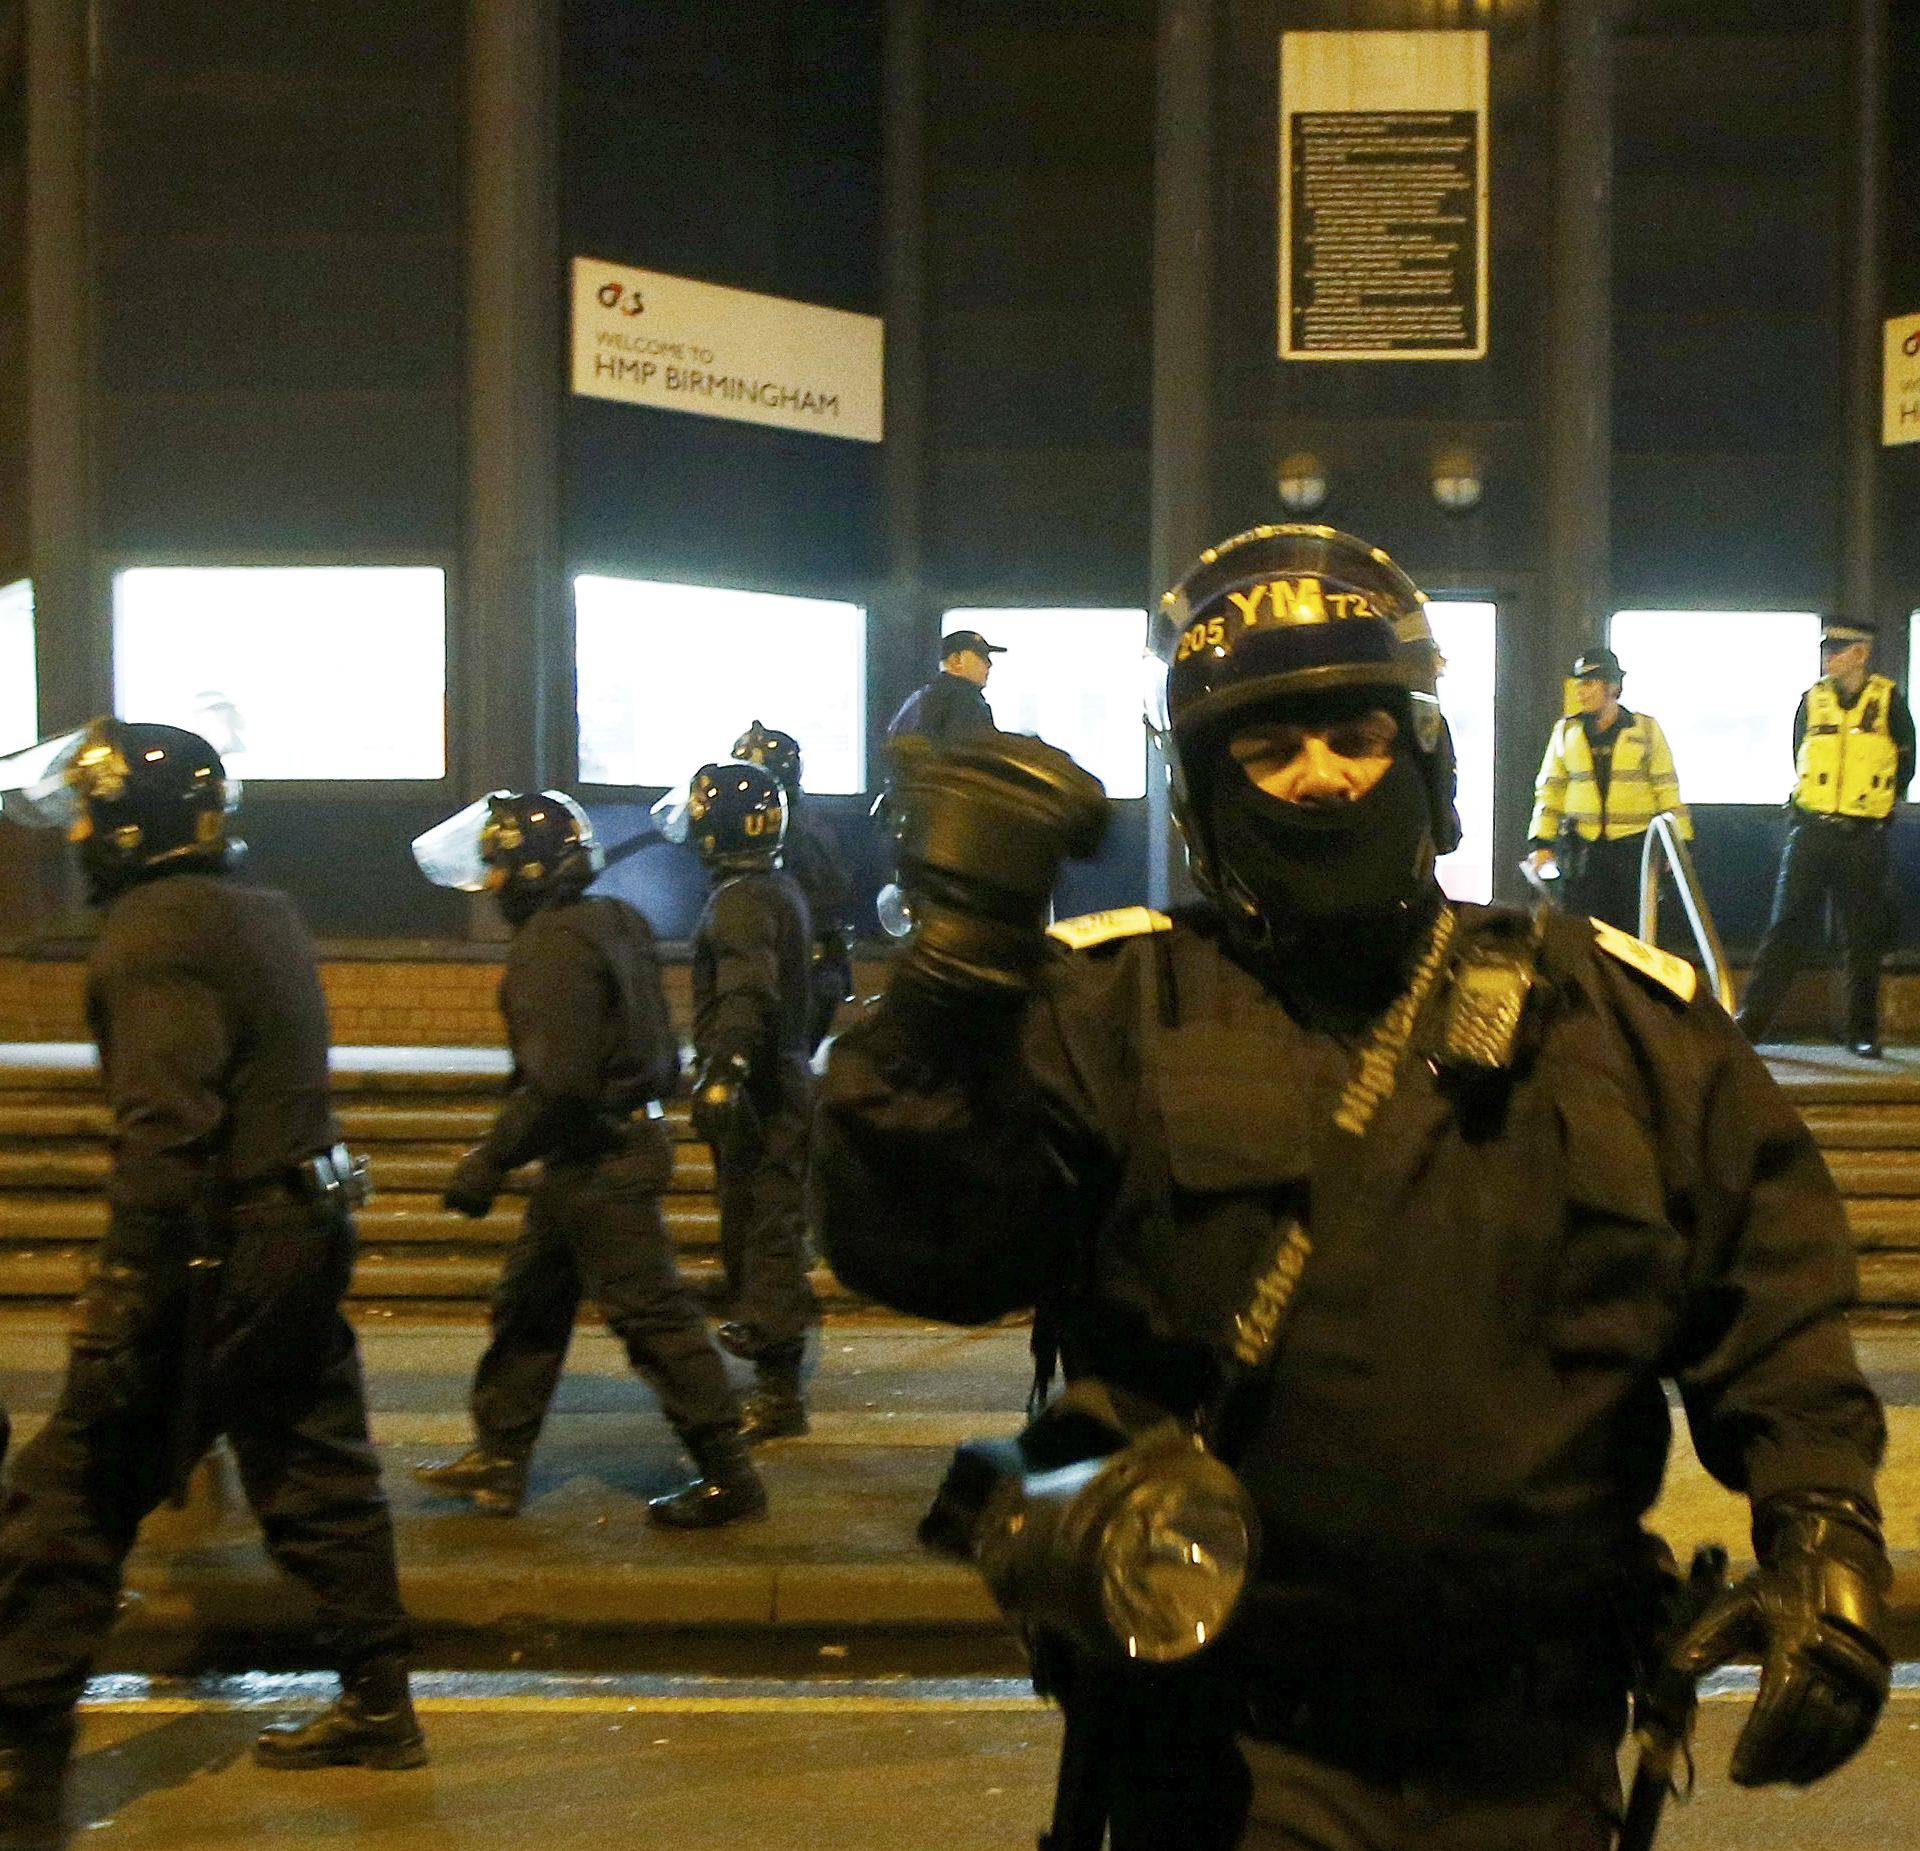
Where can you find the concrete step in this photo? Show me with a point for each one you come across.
(1865, 1127)
(1876, 1173)
(366, 1121)
(406, 1168)
(54, 1273)
(399, 1218)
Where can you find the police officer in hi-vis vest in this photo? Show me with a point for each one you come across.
(1853, 752)
(1606, 775)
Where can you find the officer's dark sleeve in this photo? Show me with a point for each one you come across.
(1774, 1395)
(1799, 727)
(742, 933)
(958, 1179)
(167, 1042)
(556, 1004)
(1900, 725)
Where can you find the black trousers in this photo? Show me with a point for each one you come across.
(284, 1387)
(1841, 858)
(763, 1222)
(594, 1229)
(1554, 1792)
(1603, 880)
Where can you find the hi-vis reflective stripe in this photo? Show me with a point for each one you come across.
(1671, 973)
(1086, 930)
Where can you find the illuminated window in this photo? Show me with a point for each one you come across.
(1723, 685)
(1465, 632)
(19, 723)
(290, 671)
(1073, 678)
(671, 675)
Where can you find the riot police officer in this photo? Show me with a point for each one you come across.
(213, 1303)
(593, 1057)
(1405, 1207)
(753, 1087)
(813, 861)
(1853, 753)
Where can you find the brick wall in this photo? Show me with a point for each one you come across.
(398, 1001)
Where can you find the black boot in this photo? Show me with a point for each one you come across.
(727, 1489)
(776, 1410)
(493, 1483)
(35, 1747)
(371, 1724)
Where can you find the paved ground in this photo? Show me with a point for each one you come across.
(837, 1553)
(676, 1765)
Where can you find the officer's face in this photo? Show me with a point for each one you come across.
(1593, 693)
(970, 665)
(1308, 761)
(1845, 661)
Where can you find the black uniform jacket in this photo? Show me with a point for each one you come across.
(815, 864)
(948, 709)
(588, 1027)
(751, 951)
(1471, 1374)
(204, 998)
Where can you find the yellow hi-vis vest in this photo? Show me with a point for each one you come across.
(1643, 784)
(1847, 760)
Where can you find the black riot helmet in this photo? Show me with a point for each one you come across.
(134, 797)
(529, 849)
(736, 816)
(1272, 616)
(779, 752)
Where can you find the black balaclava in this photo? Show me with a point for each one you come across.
(1343, 893)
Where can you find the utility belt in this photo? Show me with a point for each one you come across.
(1832, 819)
(334, 1179)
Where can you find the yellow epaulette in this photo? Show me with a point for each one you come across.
(1086, 930)
(1669, 972)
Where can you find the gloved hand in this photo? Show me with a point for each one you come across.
(723, 1114)
(473, 1185)
(1815, 1612)
(982, 829)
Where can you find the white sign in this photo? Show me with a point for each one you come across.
(1383, 195)
(1900, 408)
(648, 339)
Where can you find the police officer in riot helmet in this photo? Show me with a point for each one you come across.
(212, 1305)
(753, 1087)
(810, 856)
(594, 1054)
(1398, 1208)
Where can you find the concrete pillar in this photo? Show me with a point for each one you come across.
(72, 652)
(1181, 478)
(512, 657)
(900, 630)
(1864, 299)
(1578, 395)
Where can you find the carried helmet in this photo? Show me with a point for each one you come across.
(1279, 612)
(736, 815)
(527, 848)
(779, 752)
(132, 796)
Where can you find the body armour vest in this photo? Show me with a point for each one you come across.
(1847, 761)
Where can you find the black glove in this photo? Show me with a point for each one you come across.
(1815, 1612)
(473, 1185)
(723, 1114)
(983, 828)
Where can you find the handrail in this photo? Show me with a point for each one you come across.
(1663, 831)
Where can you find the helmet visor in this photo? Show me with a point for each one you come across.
(669, 815)
(449, 853)
(35, 788)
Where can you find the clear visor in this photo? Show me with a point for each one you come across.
(1176, 1558)
(35, 790)
(669, 815)
(449, 853)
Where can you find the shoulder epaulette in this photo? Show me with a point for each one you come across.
(1086, 930)
(1669, 972)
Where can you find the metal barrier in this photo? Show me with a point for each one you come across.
(1662, 833)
